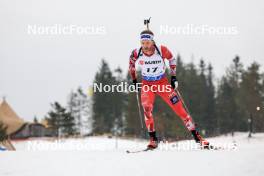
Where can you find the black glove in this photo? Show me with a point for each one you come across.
(135, 84)
(174, 82)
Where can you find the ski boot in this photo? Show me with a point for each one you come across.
(153, 142)
(198, 139)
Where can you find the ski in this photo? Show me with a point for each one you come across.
(215, 148)
(139, 151)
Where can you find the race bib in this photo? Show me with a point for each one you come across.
(151, 66)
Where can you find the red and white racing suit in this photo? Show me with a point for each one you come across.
(153, 73)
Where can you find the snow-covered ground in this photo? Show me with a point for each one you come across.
(104, 156)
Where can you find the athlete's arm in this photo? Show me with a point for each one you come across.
(132, 67)
(165, 52)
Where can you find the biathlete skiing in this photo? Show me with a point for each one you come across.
(150, 58)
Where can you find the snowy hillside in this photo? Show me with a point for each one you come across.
(104, 156)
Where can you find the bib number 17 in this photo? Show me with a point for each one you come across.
(153, 70)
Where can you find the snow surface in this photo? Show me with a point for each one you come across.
(107, 156)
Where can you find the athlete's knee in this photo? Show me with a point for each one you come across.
(149, 121)
(148, 111)
(188, 122)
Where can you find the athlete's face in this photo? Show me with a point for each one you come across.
(147, 45)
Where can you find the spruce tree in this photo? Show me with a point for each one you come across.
(251, 97)
(61, 120)
(227, 105)
(103, 106)
(79, 106)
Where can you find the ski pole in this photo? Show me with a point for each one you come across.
(139, 111)
(178, 92)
